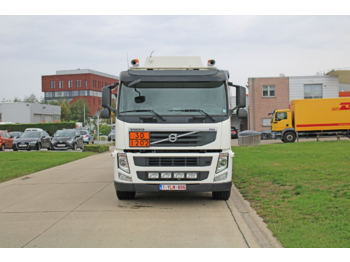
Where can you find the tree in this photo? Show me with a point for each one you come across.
(65, 113)
(77, 110)
(31, 99)
(16, 99)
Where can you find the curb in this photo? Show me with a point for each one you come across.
(252, 226)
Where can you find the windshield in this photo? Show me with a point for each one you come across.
(64, 133)
(170, 98)
(30, 135)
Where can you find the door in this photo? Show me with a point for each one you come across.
(9, 140)
(4, 138)
(281, 121)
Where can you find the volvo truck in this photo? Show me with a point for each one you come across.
(325, 116)
(173, 128)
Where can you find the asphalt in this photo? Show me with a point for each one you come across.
(74, 205)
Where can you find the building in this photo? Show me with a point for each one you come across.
(25, 113)
(269, 93)
(75, 84)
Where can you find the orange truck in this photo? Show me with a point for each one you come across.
(325, 116)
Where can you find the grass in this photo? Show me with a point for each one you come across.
(301, 190)
(17, 164)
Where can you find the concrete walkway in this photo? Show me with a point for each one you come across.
(74, 205)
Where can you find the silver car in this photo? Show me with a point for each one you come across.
(88, 137)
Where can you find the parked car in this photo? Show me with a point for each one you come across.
(67, 139)
(234, 132)
(265, 134)
(111, 136)
(87, 136)
(16, 134)
(6, 140)
(32, 140)
(33, 129)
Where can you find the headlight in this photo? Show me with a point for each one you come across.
(33, 143)
(222, 163)
(123, 163)
(70, 141)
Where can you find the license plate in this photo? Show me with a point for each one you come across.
(22, 145)
(61, 145)
(172, 187)
(139, 139)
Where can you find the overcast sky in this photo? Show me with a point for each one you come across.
(247, 46)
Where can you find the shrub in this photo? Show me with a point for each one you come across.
(51, 128)
(96, 148)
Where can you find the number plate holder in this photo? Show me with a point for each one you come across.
(172, 187)
(139, 139)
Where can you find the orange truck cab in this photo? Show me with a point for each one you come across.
(329, 116)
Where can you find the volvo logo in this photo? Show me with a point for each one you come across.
(173, 138)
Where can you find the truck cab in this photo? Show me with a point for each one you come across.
(282, 125)
(172, 127)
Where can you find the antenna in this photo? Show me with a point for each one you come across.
(127, 60)
(151, 54)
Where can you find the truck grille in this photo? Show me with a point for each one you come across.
(144, 176)
(196, 139)
(172, 161)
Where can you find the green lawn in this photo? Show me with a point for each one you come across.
(301, 190)
(16, 164)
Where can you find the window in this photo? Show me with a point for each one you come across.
(313, 91)
(75, 93)
(266, 121)
(281, 116)
(70, 83)
(83, 93)
(78, 83)
(85, 82)
(60, 84)
(268, 91)
(52, 84)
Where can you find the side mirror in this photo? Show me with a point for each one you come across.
(106, 113)
(106, 96)
(240, 96)
(242, 113)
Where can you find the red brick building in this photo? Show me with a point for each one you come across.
(75, 84)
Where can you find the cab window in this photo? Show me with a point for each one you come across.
(281, 116)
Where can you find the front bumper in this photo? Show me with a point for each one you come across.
(62, 146)
(25, 146)
(210, 187)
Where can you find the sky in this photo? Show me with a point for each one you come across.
(246, 46)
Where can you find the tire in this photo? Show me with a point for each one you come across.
(15, 149)
(38, 147)
(263, 136)
(125, 195)
(93, 141)
(289, 137)
(221, 195)
(2, 147)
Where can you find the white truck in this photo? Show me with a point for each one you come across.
(173, 127)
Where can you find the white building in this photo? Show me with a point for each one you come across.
(25, 113)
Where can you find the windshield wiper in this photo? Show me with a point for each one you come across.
(145, 110)
(194, 110)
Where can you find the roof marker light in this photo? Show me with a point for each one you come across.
(135, 62)
(211, 62)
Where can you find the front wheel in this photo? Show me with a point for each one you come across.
(125, 195)
(263, 136)
(2, 147)
(289, 137)
(39, 146)
(221, 195)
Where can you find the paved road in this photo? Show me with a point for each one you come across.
(74, 205)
